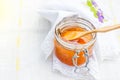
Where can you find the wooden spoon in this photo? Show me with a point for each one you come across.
(101, 30)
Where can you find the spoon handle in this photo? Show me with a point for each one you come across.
(101, 30)
(106, 29)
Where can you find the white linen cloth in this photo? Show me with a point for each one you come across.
(106, 46)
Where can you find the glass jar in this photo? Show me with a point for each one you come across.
(73, 54)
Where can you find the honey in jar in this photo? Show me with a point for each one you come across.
(65, 49)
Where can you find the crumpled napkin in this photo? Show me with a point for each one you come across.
(106, 46)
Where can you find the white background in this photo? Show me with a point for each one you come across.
(21, 43)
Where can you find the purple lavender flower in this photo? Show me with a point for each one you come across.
(94, 3)
(100, 15)
(96, 10)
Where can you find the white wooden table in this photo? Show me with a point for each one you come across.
(20, 56)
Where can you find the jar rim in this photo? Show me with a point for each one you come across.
(70, 45)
